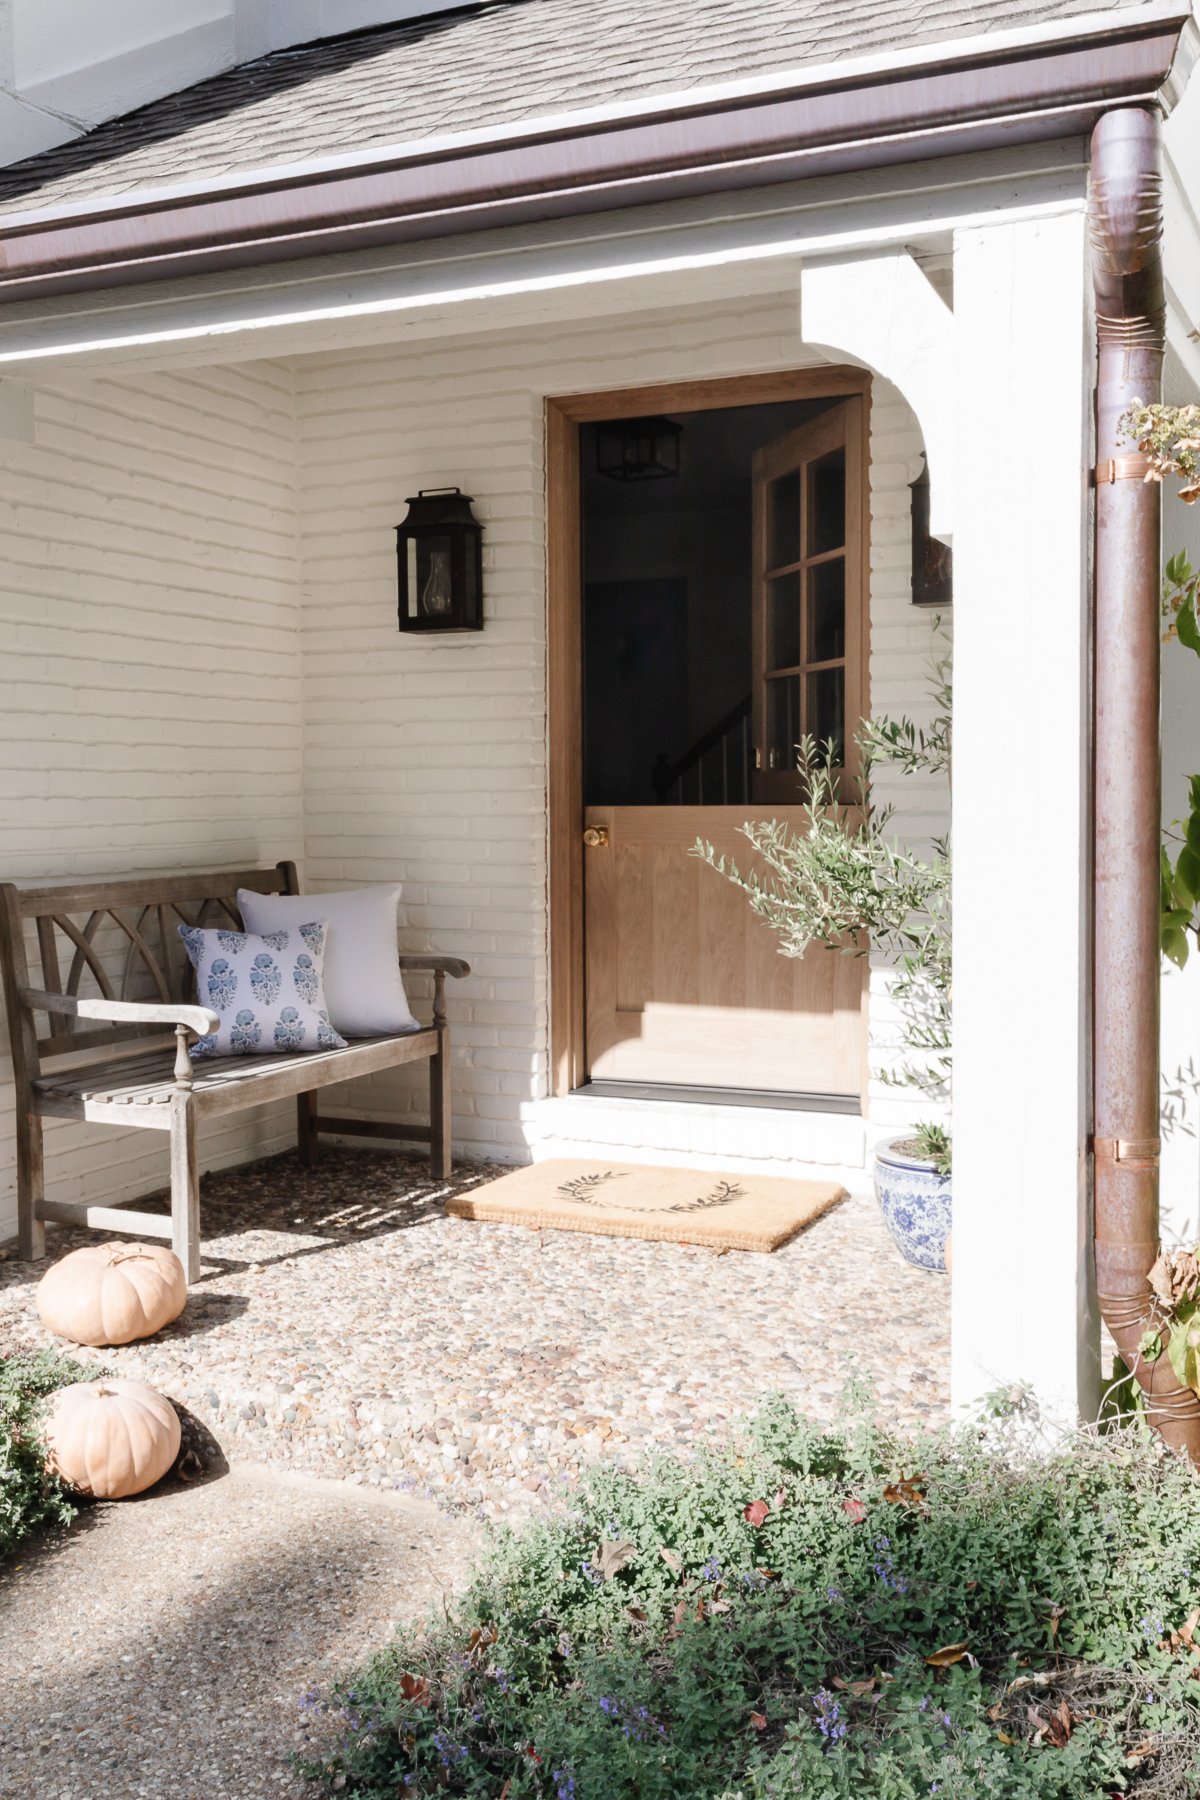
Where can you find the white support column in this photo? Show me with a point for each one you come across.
(1022, 1310)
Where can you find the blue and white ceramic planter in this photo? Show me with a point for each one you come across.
(916, 1205)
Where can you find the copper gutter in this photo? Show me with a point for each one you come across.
(1126, 227)
(971, 102)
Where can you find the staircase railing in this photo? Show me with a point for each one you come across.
(716, 768)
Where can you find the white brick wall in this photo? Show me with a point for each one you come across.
(150, 683)
(161, 541)
(903, 645)
(425, 761)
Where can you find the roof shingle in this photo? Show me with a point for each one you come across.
(488, 64)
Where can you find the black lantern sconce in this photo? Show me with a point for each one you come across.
(932, 562)
(637, 449)
(439, 549)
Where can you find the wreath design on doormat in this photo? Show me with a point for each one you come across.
(587, 1190)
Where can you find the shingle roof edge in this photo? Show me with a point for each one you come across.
(1022, 85)
(848, 71)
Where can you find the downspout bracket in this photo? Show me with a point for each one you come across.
(1140, 1153)
(1135, 467)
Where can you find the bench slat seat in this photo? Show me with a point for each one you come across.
(132, 1076)
(226, 1084)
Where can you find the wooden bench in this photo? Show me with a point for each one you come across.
(107, 1057)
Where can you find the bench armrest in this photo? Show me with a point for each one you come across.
(444, 965)
(123, 1012)
(196, 1020)
(440, 966)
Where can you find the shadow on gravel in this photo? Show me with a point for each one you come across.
(171, 1639)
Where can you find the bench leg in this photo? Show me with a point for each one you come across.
(439, 1107)
(306, 1130)
(185, 1188)
(31, 1187)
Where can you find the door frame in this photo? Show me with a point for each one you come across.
(565, 414)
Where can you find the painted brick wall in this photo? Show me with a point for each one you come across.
(904, 641)
(161, 539)
(150, 682)
(425, 761)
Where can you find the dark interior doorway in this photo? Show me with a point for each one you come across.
(667, 610)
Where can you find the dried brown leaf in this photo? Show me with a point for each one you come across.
(416, 1689)
(1160, 1279)
(949, 1653)
(908, 1491)
(612, 1558)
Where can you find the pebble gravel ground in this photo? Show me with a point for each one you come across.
(344, 1326)
(166, 1648)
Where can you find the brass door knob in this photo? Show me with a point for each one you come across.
(596, 837)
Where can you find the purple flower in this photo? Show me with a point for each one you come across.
(637, 1722)
(711, 1570)
(448, 1751)
(565, 1785)
(830, 1722)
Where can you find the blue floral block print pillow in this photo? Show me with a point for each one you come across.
(267, 990)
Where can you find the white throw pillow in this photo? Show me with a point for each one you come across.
(266, 990)
(363, 986)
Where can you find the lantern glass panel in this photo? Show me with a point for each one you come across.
(430, 576)
(638, 449)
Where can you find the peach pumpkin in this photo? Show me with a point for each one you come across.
(112, 1293)
(111, 1439)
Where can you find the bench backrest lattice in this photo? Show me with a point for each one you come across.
(117, 941)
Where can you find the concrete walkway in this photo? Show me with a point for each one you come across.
(158, 1649)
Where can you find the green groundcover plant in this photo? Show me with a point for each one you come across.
(28, 1496)
(811, 1614)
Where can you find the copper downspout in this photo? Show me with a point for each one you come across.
(1126, 227)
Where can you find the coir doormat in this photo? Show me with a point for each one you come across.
(686, 1206)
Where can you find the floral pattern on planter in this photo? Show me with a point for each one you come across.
(916, 1205)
